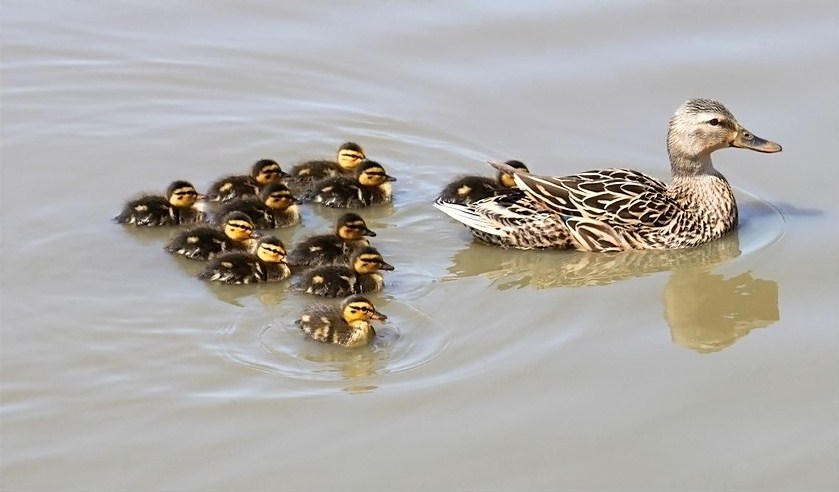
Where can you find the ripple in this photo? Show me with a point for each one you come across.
(270, 342)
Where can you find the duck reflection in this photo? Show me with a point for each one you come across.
(351, 364)
(706, 312)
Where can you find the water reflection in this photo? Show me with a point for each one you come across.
(513, 269)
(706, 312)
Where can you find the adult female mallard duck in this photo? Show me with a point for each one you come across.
(349, 156)
(470, 189)
(370, 185)
(621, 209)
(348, 326)
(178, 207)
(267, 264)
(359, 277)
(275, 208)
(263, 172)
(330, 249)
(205, 242)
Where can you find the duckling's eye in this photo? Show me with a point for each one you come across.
(714, 122)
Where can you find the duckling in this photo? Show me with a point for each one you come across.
(348, 326)
(330, 249)
(275, 208)
(263, 172)
(305, 174)
(473, 188)
(237, 267)
(370, 185)
(204, 242)
(622, 209)
(360, 277)
(178, 207)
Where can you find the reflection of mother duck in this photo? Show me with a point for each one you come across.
(620, 209)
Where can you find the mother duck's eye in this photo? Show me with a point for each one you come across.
(714, 122)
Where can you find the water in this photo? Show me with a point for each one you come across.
(712, 368)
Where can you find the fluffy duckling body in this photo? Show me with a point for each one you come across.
(361, 276)
(178, 207)
(263, 172)
(330, 249)
(205, 242)
(622, 209)
(267, 264)
(275, 208)
(348, 326)
(473, 188)
(305, 174)
(370, 185)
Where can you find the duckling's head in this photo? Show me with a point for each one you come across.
(506, 179)
(371, 173)
(701, 126)
(359, 308)
(277, 196)
(368, 260)
(350, 155)
(182, 194)
(266, 171)
(238, 226)
(351, 227)
(271, 250)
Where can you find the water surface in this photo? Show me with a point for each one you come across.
(713, 368)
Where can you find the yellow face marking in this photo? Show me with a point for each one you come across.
(507, 180)
(225, 187)
(373, 176)
(238, 230)
(279, 201)
(317, 279)
(368, 263)
(305, 318)
(350, 159)
(192, 239)
(141, 208)
(268, 174)
(463, 190)
(271, 253)
(183, 197)
(352, 231)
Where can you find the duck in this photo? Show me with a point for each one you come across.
(275, 208)
(330, 249)
(470, 189)
(348, 325)
(607, 210)
(370, 185)
(263, 172)
(361, 276)
(348, 157)
(267, 264)
(205, 242)
(179, 206)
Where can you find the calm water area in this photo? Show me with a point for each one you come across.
(714, 368)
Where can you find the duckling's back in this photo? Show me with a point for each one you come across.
(324, 249)
(324, 324)
(201, 243)
(470, 189)
(329, 281)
